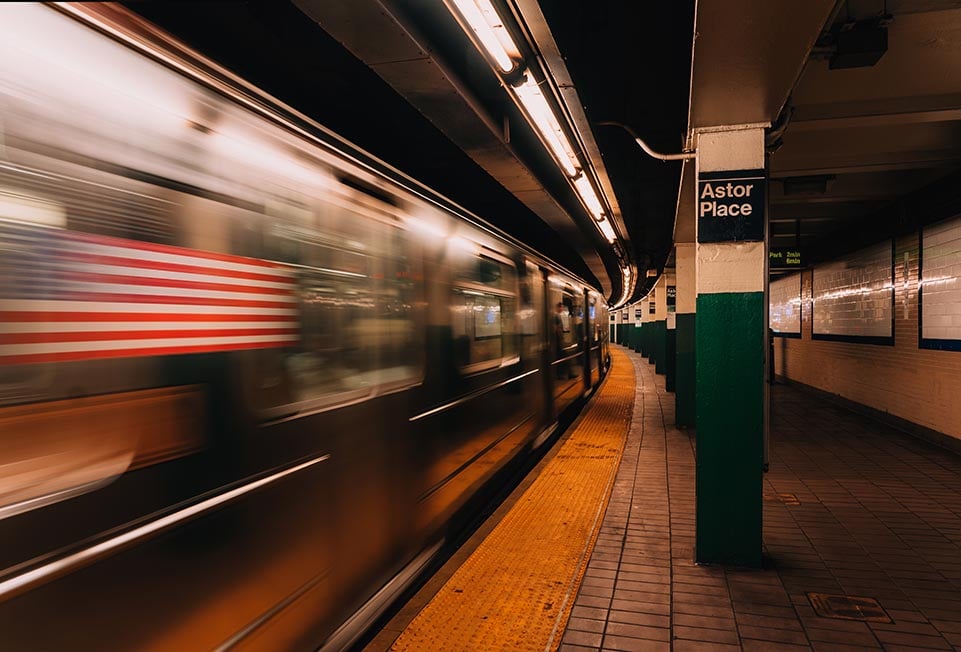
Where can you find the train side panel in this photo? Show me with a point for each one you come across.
(244, 381)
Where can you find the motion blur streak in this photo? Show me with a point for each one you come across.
(202, 296)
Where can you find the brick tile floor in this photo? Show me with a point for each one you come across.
(850, 507)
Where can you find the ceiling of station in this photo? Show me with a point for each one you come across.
(415, 93)
(851, 147)
(860, 140)
(421, 54)
(747, 56)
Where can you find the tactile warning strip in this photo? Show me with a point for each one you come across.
(516, 591)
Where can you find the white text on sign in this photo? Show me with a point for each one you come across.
(710, 193)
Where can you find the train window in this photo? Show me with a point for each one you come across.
(483, 314)
(567, 329)
(578, 319)
(30, 235)
(529, 316)
(93, 201)
(568, 318)
(564, 320)
(356, 310)
(485, 271)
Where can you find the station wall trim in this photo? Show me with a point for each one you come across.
(781, 295)
(859, 260)
(948, 322)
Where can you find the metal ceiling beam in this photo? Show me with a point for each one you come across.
(793, 220)
(877, 120)
(802, 200)
(840, 211)
(871, 163)
(877, 112)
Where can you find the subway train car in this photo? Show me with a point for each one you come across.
(250, 377)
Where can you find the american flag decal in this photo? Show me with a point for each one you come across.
(69, 296)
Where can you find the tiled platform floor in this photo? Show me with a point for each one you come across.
(871, 512)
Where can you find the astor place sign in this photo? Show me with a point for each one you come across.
(730, 205)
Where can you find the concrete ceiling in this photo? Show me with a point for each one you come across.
(859, 143)
(399, 79)
(747, 57)
(875, 134)
(420, 52)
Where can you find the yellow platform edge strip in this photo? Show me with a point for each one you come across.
(516, 590)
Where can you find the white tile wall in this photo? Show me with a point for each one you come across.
(941, 281)
(853, 295)
(785, 304)
(920, 385)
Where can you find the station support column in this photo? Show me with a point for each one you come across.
(650, 307)
(729, 343)
(641, 307)
(670, 334)
(660, 325)
(684, 406)
(638, 326)
(628, 327)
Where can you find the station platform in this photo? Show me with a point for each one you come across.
(594, 551)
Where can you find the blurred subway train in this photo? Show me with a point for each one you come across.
(250, 377)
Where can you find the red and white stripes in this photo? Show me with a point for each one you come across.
(120, 298)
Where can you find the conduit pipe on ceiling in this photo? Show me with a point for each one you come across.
(685, 155)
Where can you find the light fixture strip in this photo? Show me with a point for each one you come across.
(489, 34)
(483, 21)
(535, 105)
(500, 30)
(586, 192)
(607, 230)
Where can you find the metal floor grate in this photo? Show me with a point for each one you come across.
(848, 607)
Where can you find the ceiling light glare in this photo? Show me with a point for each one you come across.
(483, 20)
(586, 192)
(607, 230)
(540, 114)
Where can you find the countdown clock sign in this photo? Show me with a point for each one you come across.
(730, 206)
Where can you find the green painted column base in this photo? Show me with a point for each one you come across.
(649, 345)
(642, 341)
(660, 347)
(730, 428)
(670, 360)
(685, 371)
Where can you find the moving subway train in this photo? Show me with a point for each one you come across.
(250, 378)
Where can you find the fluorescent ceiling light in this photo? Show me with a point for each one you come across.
(490, 31)
(540, 114)
(586, 191)
(607, 230)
